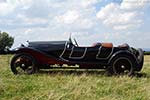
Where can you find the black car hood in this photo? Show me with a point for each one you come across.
(48, 45)
(38, 43)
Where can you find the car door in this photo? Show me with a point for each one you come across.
(104, 53)
(78, 52)
(73, 53)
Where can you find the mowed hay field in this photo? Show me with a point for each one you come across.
(73, 84)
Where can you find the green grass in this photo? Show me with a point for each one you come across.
(73, 85)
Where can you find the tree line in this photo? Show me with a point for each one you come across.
(6, 42)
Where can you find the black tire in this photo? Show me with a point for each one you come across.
(122, 65)
(28, 66)
(141, 59)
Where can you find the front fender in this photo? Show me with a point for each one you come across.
(40, 56)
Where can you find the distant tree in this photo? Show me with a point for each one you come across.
(6, 42)
(146, 53)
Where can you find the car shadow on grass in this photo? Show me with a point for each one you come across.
(141, 75)
(73, 72)
(88, 72)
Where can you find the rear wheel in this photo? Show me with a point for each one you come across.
(23, 64)
(122, 65)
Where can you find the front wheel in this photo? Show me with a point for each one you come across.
(23, 64)
(123, 65)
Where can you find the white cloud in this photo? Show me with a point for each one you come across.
(28, 17)
(35, 20)
(74, 19)
(27, 32)
(134, 4)
(8, 6)
(87, 3)
(5, 8)
(69, 17)
(25, 2)
(48, 20)
(119, 18)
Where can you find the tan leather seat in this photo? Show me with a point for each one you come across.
(107, 45)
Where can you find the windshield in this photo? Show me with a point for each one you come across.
(74, 42)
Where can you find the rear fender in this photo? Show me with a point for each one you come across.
(123, 53)
(140, 59)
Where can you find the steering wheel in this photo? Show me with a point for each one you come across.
(76, 42)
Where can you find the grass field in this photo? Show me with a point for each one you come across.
(73, 84)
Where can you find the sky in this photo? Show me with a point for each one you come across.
(88, 21)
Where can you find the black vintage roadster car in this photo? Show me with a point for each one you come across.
(40, 55)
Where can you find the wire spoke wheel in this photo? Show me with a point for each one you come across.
(23, 64)
(122, 66)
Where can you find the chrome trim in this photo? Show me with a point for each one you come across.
(99, 52)
(70, 56)
(64, 51)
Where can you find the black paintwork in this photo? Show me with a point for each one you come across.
(75, 53)
(68, 52)
(53, 48)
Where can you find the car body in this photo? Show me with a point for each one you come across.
(41, 55)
